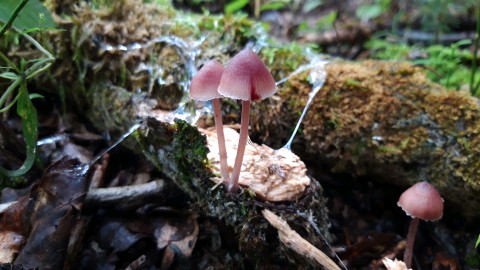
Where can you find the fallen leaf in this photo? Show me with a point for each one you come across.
(57, 202)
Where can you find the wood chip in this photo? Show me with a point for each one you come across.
(274, 175)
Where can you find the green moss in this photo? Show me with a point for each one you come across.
(382, 117)
(189, 150)
(282, 60)
(473, 259)
(352, 82)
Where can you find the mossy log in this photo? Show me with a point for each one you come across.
(383, 119)
(386, 120)
(179, 150)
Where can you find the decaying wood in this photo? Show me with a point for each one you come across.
(180, 151)
(386, 120)
(274, 175)
(124, 196)
(297, 243)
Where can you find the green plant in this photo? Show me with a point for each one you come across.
(446, 65)
(437, 16)
(370, 11)
(34, 16)
(475, 85)
(235, 6)
(274, 5)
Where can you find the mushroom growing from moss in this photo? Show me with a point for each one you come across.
(204, 87)
(246, 78)
(420, 201)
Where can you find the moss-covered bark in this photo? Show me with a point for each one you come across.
(179, 151)
(387, 120)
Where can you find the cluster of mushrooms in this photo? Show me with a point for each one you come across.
(247, 78)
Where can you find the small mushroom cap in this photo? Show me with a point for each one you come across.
(422, 201)
(205, 83)
(247, 78)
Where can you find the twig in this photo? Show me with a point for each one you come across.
(125, 196)
(80, 229)
(4, 206)
(295, 242)
(309, 217)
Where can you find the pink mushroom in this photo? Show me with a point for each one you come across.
(246, 78)
(420, 201)
(204, 87)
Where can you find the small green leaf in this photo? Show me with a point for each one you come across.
(9, 75)
(235, 6)
(368, 12)
(28, 114)
(326, 22)
(33, 15)
(478, 241)
(35, 95)
(275, 5)
(9, 105)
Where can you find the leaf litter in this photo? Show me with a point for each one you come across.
(46, 224)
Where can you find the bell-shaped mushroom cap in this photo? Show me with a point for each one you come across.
(247, 78)
(422, 201)
(205, 83)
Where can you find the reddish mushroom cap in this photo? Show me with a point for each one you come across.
(247, 78)
(422, 201)
(205, 82)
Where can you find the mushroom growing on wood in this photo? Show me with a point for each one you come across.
(204, 87)
(246, 78)
(420, 201)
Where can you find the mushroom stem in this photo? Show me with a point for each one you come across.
(217, 114)
(412, 231)
(242, 143)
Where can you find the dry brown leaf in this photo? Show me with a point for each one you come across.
(10, 244)
(57, 200)
(177, 239)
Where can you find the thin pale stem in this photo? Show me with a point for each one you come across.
(217, 114)
(242, 143)
(412, 231)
